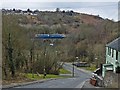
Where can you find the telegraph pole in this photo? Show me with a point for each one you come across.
(44, 68)
(10, 55)
(73, 69)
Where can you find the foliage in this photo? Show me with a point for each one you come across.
(86, 37)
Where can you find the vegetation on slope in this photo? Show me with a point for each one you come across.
(87, 36)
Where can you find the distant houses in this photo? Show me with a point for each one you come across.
(112, 57)
(20, 12)
(34, 13)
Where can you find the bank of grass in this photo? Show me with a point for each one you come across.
(91, 68)
(28, 77)
(38, 77)
(64, 71)
(48, 76)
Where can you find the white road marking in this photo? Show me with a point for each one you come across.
(81, 84)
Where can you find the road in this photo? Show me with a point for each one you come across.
(75, 82)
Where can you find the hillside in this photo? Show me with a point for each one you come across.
(87, 36)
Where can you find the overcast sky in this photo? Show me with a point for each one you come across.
(104, 8)
(59, 0)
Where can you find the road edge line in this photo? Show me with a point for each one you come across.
(82, 84)
(27, 83)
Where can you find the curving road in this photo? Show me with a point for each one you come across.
(75, 82)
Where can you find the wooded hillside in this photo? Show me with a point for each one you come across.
(86, 38)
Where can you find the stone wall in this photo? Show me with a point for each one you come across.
(112, 80)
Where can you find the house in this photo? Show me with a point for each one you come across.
(112, 57)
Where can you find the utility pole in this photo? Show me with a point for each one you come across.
(73, 69)
(32, 58)
(44, 68)
(10, 55)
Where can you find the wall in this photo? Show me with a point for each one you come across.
(111, 80)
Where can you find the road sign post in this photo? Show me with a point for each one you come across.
(73, 69)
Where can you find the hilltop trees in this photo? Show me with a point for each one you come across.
(57, 9)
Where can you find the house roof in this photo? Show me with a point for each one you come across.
(115, 44)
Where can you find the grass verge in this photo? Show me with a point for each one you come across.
(39, 77)
(28, 77)
(64, 71)
(91, 68)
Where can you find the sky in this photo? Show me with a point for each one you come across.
(103, 8)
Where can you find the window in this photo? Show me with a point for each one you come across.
(116, 55)
(109, 51)
(112, 52)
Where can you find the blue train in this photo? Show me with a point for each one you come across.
(49, 36)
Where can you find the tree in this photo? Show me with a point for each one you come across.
(13, 9)
(36, 11)
(28, 10)
(63, 11)
(57, 9)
